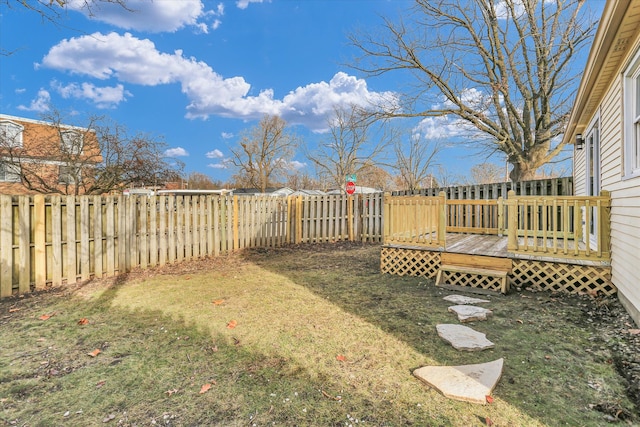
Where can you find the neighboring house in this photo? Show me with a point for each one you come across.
(41, 157)
(605, 126)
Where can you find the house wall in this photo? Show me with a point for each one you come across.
(625, 194)
(41, 149)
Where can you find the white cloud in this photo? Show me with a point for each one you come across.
(103, 97)
(226, 135)
(243, 4)
(296, 165)
(144, 15)
(217, 165)
(20, 90)
(176, 152)
(137, 61)
(214, 154)
(40, 104)
(216, 24)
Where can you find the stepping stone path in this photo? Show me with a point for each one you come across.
(461, 299)
(469, 383)
(470, 313)
(464, 338)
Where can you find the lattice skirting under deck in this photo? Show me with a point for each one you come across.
(558, 277)
(542, 275)
(476, 281)
(409, 262)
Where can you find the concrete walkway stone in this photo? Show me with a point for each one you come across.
(464, 338)
(461, 299)
(470, 313)
(469, 383)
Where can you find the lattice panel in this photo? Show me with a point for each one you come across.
(409, 262)
(489, 283)
(557, 277)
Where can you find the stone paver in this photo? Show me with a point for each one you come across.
(469, 383)
(469, 313)
(461, 299)
(464, 338)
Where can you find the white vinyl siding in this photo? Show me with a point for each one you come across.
(631, 92)
(624, 188)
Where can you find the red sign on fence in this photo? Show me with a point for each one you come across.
(351, 188)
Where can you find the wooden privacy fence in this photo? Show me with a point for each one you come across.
(55, 240)
(539, 187)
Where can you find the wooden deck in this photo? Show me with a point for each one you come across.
(496, 246)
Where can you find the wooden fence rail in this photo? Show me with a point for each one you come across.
(56, 240)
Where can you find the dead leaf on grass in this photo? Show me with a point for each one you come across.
(341, 358)
(205, 388)
(45, 316)
(488, 421)
(95, 352)
(99, 384)
(83, 321)
(13, 310)
(489, 399)
(634, 331)
(232, 324)
(519, 321)
(218, 301)
(170, 392)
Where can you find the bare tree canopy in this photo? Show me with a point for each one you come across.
(263, 153)
(500, 69)
(415, 160)
(348, 148)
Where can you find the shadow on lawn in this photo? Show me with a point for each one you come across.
(556, 365)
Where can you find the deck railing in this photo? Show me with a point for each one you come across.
(415, 220)
(575, 227)
(563, 226)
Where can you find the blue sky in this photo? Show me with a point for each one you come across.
(197, 72)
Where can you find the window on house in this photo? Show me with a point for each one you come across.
(9, 172)
(68, 174)
(10, 135)
(632, 118)
(71, 142)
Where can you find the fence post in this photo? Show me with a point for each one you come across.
(350, 217)
(6, 246)
(512, 221)
(236, 235)
(40, 259)
(24, 249)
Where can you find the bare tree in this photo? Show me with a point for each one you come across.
(200, 181)
(485, 173)
(500, 69)
(348, 149)
(264, 152)
(445, 178)
(414, 161)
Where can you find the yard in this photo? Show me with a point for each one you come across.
(307, 335)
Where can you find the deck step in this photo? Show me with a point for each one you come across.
(482, 272)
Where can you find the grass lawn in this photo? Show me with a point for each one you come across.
(298, 336)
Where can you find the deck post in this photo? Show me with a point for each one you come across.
(604, 217)
(501, 207)
(512, 221)
(442, 217)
